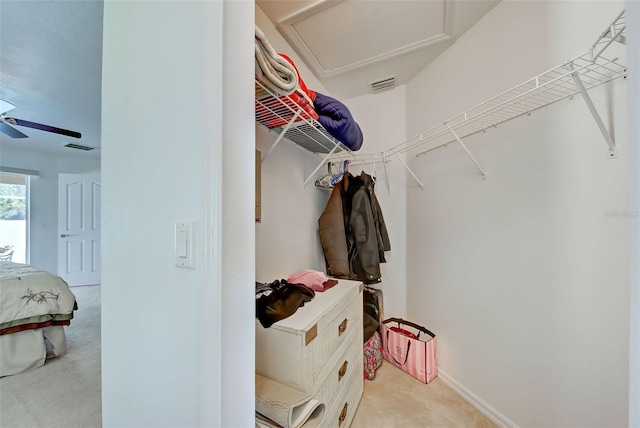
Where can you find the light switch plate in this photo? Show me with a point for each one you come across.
(185, 245)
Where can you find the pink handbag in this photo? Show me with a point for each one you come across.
(405, 349)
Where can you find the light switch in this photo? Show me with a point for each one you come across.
(185, 244)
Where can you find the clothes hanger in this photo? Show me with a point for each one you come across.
(373, 171)
(329, 180)
(324, 182)
(345, 169)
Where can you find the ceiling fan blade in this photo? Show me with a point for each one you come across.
(47, 128)
(10, 131)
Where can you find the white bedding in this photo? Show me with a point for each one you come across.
(32, 298)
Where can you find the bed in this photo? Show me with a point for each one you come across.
(35, 305)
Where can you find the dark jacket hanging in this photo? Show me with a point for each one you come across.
(365, 233)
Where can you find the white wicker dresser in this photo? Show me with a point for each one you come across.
(318, 350)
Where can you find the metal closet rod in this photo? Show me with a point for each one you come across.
(356, 159)
(384, 158)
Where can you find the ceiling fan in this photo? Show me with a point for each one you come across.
(7, 123)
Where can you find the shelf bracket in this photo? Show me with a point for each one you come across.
(615, 32)
(281, 135)
(326, 158)
(593, 110)
(408, 169)
(484, 175)
(386, 177)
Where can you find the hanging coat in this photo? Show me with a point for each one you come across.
(381, 228)
(352, 231)
(367, 229)
(333, 236)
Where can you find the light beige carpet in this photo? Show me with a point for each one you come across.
(66, 391)
(395, 399)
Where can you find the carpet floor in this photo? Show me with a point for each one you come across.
(395, 399)
(66, 391)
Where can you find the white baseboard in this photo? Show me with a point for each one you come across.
(476, 401)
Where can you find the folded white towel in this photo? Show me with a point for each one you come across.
(275, 72)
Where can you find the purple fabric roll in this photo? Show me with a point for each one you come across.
(336, 118)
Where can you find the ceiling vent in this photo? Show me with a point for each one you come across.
(79, 147)
(382, 84)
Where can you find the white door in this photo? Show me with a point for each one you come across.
(79, 228)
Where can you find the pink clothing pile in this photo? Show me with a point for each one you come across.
(313, 279)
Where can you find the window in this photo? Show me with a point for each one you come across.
(14, 216)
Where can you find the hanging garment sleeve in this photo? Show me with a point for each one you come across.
(364, 232)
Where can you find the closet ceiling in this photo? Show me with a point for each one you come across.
(50, 69)
(348, 44)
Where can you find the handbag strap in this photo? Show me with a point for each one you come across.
(406, 357)
(409, 323)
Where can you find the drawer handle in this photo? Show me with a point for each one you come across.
(343, 370)
(342, 327)
(343, 414)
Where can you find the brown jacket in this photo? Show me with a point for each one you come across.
(333, 236)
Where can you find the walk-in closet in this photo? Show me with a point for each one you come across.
(510, 202)
(502, 169)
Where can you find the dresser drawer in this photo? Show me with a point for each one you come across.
(346, 362)
(341, 413)
(339, 330)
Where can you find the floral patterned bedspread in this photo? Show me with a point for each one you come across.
(32, 298)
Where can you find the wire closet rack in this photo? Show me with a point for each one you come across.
(282, 115)
(566, 80)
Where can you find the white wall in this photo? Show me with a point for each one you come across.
(44, 197)
(175, 148)
(287, 239)
(632, 14)
(524, 277)
(237, 208)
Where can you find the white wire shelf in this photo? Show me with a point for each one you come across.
(282, 115)
(558, 83)
(575, 76)
(615, 32)
(540, 91)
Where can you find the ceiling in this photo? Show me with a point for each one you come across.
(51, 54)
(349, 44)
(51, 70)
